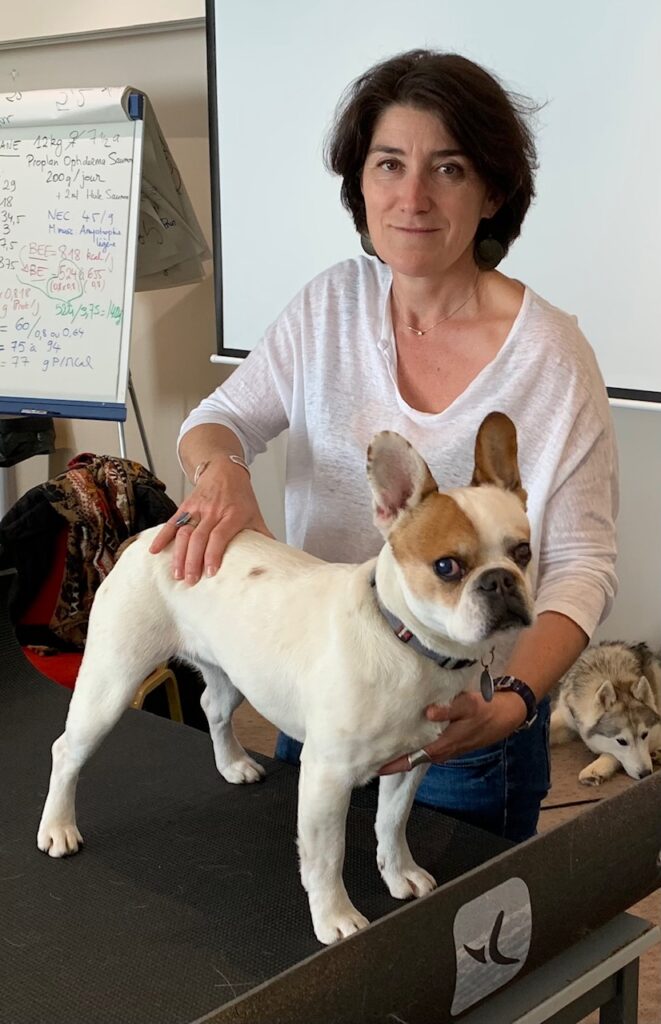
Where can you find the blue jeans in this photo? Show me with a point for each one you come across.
(498, 788)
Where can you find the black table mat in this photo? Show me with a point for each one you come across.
(186, 893)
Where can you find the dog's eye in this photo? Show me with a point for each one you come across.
(449, 568)
(623, 743)
(522, 554)
(644, 735)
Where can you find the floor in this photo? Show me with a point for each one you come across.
(257, 734)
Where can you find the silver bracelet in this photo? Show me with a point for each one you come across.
(236, 459)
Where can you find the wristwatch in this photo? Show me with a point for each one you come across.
(504, 683)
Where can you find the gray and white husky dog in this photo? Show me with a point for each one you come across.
(611, 697)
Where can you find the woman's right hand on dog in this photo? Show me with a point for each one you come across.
(221, 505)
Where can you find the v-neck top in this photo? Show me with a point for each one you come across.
(326, 369)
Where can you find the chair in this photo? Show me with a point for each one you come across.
(63, 537)
(62, 666)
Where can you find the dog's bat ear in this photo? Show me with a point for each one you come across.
(398, 476)
(606, 695)
(496, 452)
(642, 691)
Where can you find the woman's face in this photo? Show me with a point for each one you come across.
(423, 198)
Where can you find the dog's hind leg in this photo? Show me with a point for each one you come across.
(399, 871)
(219, 701)
(323, 801)
(562, 728)
(97, 703)
(114, 664)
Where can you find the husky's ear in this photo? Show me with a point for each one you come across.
(398, 476)
(643, 692)
(496, 455)
(606, 695)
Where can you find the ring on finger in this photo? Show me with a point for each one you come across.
(185, 519)
(418, 757)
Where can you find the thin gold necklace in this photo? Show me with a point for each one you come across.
(447, 316)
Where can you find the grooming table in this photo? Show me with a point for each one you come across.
(185, 902)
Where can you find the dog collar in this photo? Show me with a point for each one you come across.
(407, 637)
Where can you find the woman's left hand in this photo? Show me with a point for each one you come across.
(473, 723)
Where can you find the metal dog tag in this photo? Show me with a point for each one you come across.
(486, 685)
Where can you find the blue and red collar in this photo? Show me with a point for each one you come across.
(407, 637)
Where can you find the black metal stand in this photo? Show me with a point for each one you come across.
(141, 428)
(599, 972)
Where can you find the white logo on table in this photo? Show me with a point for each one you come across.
(492, 940)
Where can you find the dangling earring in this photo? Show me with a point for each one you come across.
(366, 243)
(488, 253)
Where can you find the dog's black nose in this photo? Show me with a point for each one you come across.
(644, 773)
(497, 581)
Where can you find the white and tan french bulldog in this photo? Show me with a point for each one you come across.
(342, 657)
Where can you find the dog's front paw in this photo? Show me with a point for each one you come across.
(408, 882)
(243, 770)
(592, 776)
(338, 925)
(59, 840)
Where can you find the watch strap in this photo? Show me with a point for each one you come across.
(514, 685)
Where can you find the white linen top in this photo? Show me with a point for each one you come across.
(327, 370)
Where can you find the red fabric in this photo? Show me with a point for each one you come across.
(62, 668)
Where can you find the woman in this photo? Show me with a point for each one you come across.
(426, 337)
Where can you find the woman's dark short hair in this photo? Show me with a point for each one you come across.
(488, 123)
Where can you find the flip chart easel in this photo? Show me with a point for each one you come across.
(92, 208)
(70, 173)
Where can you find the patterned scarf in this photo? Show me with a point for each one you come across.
(96, 497)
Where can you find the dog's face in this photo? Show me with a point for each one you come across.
(627, 718)
(461, 557)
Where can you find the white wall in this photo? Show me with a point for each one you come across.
(637, 611)
(38, 20)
